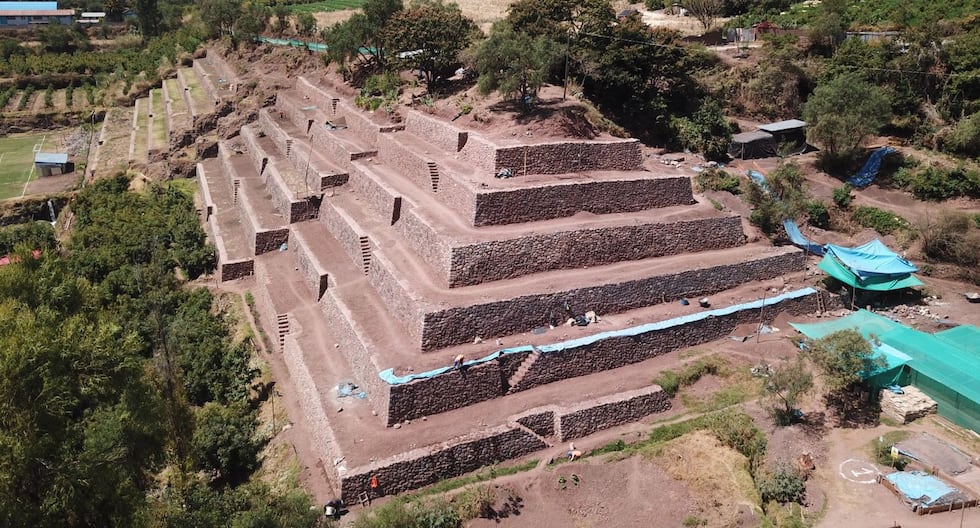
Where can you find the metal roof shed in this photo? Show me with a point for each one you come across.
(749, 145)
(48, 163)
(783, 126)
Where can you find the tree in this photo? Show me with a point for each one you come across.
(225, 442)
(306, 24)
(253, 18)
(706, 11)
(515, 63)
(846, 358)
(219, 15)
(359, 38)
(149, 17)
(843, 112)
(281, 11)
(428, 37)
(784, 387)
(707, 131)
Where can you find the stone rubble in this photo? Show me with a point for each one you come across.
(904, 408)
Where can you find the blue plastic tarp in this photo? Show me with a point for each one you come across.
(873, 258)
(867, 174)
(389, 377)
(797, 238)
(920, 487)
(759, 179)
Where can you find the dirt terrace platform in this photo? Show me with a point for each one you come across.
(223, 222)
(292, 145)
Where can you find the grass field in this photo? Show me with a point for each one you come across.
(17, 161)
(326, 6)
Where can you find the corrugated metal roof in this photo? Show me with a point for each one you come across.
(28, 6)
(780, 126)
(748, 137)
(51, 157)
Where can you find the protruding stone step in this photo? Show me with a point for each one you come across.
(514, 382)
(433, 175)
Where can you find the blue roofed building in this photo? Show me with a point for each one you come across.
(19, 14)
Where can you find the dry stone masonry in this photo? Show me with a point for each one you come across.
(409, 245)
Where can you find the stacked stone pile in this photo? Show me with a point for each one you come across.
(906, 407)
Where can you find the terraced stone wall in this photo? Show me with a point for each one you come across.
(316, 278)
(421, 467)
(503, 259)
(427, 396)
(610, 411)
(569, 156)
(561, 199)
(458, 325)
(464, 145)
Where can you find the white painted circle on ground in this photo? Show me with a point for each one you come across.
(858, 471)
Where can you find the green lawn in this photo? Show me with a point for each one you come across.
(17, 160)
(326, 5)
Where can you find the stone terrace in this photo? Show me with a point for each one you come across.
(404, 248)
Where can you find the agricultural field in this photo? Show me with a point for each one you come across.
(17, 160)
(326, 6)
(34, 100)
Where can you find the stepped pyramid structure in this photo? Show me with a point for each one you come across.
(380, 250)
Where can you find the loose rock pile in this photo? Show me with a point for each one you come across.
(906, 407)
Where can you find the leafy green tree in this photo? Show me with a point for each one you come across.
(252, 20)
(114, 10)
(515, 63)
(306, 24)
(220, 15)
(428, 37)
(150, 18)
(843, 112)
(560, 20)
(782, 484)
(827, 28)
(705, 11)
(707, 131)
(358, 40)
(281, 11)
(845, 357)
(10, 47)
(784, 387)
(225, 441)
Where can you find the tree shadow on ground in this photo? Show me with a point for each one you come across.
(561, 118)
(852, 408)
(511, 507)
(814, 424)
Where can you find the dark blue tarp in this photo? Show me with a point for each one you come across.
(867, 174)
(797, 238)
(873, 258)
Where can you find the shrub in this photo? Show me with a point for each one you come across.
(671, 381)
(475, 502)
(949, 240)
(718, 180)
(818, 214)
(842, 196)
(965, 138)
(25, 97)
(49, 96)
(935, 183)
(882, 221)
(69, 95)
(782, 484)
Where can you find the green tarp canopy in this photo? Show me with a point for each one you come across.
(944, 365)
(835, 269)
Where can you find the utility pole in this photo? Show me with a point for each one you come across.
(564, 89)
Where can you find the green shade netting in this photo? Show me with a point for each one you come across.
(945, 365)
(835, 269)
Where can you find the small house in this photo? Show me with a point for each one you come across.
(789, 135)
(52, 163)
(15, 14)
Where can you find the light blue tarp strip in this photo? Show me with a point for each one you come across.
(797, 238)
(389, 377)
(867, 174)
(760, 179)
(920, 487)
(873, 258)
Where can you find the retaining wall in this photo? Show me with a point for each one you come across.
(541, 423)
(610, 411)
(508, 258)
(264, 238)
(464, 145)
(314, 274)
(413, 166)
(224, 70)
(381, 198)
(421, 467)
(299, 156)
(399, 303)
(206, 82)
(309, 400)
(227, 269)
(345, 229)
(356, 119)
(356, 345)
(457, 325)
(425, 397)
(562, 157)
(561, 199)
(194, 113)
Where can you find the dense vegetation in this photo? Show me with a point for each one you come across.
(125, 401)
